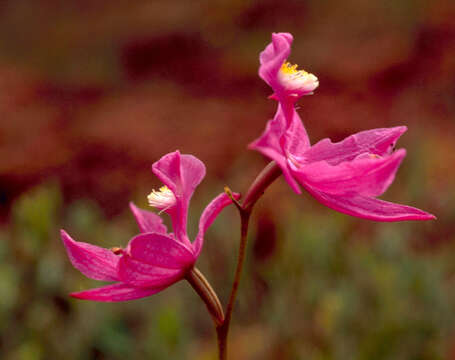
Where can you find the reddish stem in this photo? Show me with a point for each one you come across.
(266, 177)
(207, 294)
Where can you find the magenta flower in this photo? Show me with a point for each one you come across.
(346, 176)
(154, 259)
(287, 82)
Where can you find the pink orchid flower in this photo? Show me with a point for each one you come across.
(154, 259)
(287, 82)
(346, 176)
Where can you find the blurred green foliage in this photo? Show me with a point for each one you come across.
(331, 288)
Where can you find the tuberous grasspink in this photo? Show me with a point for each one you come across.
(346, 176)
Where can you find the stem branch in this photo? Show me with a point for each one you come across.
(266, 177)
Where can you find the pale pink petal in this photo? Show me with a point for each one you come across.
(148, 221)
(160, 250)
(369, 176)
(93, 261)
(271, 59)
(375, 141)
(181, 174)
(368, 207)
(209, 215)
(138, 273)
(116, 292)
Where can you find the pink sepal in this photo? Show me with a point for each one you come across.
(369, 208)
(209, 215)
(148, 221)
(115, 293)
(93, 261)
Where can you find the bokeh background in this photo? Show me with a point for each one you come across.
(92, 93)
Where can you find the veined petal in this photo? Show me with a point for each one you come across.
(138, 273)
(208, 216)
(370, 175)
(116, 292)
(287, 81)
(268, 145)
(369, 208)
(273, 57)
(280, 139)
(296, 137)
(375, 141)
(181, 174)
(269, 142)
(160, 250)
(93, 261)
(148, 221)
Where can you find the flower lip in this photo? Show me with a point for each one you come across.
(297, 81)
(162, 199)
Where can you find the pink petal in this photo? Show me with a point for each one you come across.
(297, 141)
(193, 171)
(93, 261)
(277, 143)
(208, 216)
(375, 141)
(367, 176)
(148, 221)
(138, 273)
(116, 292)
(160, 250)
(181, 174)
(369, 208)
(267, 144)
(273, 56)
